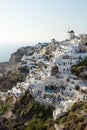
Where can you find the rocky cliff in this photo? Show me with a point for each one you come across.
(25, 114)
(9, 73)
(16, 57)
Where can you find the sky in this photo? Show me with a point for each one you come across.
(40, 20)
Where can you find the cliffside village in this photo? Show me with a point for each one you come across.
(50, 80)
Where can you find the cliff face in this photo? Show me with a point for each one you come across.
(10, 79)
(9, 73)
(16, 57)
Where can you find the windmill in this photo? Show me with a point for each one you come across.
(71, 34)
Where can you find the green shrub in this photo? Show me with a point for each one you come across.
(79, 118)
(4, 108)
(74, 107)
(77, 69)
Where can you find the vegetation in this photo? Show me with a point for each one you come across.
(10, 79)
(30, 115)
(76, 117)
(4, 107)
(77, 69)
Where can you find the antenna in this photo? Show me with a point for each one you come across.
(67, 32)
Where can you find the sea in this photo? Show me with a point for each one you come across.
(6, 49)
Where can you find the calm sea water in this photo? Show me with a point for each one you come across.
(6, 49)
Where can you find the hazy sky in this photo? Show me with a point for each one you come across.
(41, 20)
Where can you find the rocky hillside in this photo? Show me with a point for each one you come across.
(76, 118)
(10, 79)
(9, 73)
(80, 69)
(24, 113)
(16, 70)
(16, 57)
(38, 79)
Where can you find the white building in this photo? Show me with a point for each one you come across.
(53, 41)
(71, 34)
(83, 38)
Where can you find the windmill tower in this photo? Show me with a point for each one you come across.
(71, 34)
